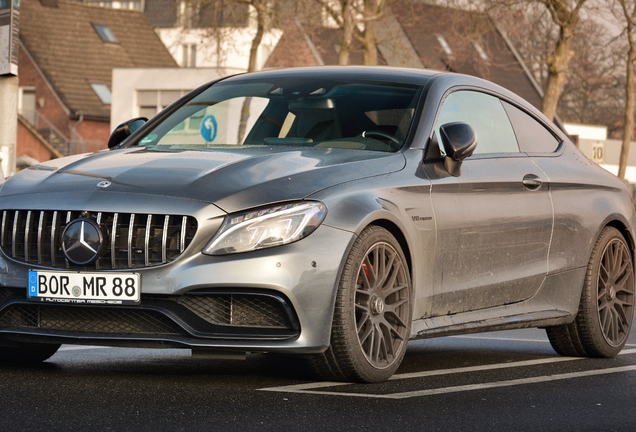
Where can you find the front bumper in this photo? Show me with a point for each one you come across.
(276, 300)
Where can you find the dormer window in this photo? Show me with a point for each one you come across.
(103, 93)
(445, 45)
(106, 33)
(480, 51)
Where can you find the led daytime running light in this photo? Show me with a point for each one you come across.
(260, 229)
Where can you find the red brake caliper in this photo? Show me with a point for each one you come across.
(366, 269)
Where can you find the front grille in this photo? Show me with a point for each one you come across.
(92, 320)
(243, 310)
(131, 240)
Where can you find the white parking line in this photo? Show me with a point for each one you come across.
(310, 388)
(484, 367)
(512, 339)
(471, 387)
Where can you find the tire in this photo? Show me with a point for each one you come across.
(372, 317)
(606, 310)
(29, 353)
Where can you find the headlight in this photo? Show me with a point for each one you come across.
(273, 226)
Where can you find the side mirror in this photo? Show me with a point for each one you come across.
(459, 141)
(124, 130)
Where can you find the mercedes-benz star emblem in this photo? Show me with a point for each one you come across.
(103, 184)
(82, 241)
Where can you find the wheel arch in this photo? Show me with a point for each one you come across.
(399, 236)
(622, 228)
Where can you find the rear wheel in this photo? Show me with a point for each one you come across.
(27, 352)
(372, 318)
(606, 310)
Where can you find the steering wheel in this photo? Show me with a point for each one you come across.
(391, 138)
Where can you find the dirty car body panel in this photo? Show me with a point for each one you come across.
(499, 239)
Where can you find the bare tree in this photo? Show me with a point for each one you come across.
(566, 15)
(264, 13)
(594, 91)
(358, 20)
(625, 11)
(221, 19)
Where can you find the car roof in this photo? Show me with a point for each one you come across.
(379, 73)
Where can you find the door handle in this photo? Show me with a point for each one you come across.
(532, 182)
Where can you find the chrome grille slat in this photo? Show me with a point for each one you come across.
(131, 240)
(27, 237)
(164, 240)
(40, 239)
(14, 249)
(184, 225)
(113, 242)
(99, 224)
(53, 240)
(131, 230)
(69, 216)
(147, 241)
(4, 228)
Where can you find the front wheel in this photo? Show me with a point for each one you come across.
(606, 310)
(372, 318)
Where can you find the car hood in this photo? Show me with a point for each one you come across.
(232, 179)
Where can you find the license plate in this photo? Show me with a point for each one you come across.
(84, 288)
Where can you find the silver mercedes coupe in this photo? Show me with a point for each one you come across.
(332, 213)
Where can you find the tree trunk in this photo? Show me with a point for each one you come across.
(347, 32)
(629, 103)
(557, 70)
(259, 5)
(258, 37)
(370, 52)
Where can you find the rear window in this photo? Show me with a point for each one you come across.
(532, 136)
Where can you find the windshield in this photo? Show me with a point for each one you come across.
(291, 112)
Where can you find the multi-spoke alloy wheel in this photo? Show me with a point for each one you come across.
(372, 318)
(606, 310)
(615, 292)
(382, 305)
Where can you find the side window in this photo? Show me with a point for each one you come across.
(487, 117)
(532, 136)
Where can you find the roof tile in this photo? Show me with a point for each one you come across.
(68, 49)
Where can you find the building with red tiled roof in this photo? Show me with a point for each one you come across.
(420, 35)
(65, 61)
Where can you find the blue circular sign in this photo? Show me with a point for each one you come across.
(209, 128)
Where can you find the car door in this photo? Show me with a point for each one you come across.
(494, 220)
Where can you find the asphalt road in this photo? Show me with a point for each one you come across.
(488, 382)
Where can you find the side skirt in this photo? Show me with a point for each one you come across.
(556, 302)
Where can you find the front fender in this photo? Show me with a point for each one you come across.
(400, 203)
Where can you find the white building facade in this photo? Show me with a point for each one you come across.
(194, 40)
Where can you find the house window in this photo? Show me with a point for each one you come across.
(103, 93)
(188, 55)
(106, 33)
(445, 45)
(26, 104)
(116, 4)
(150, 102)
(480, 51)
